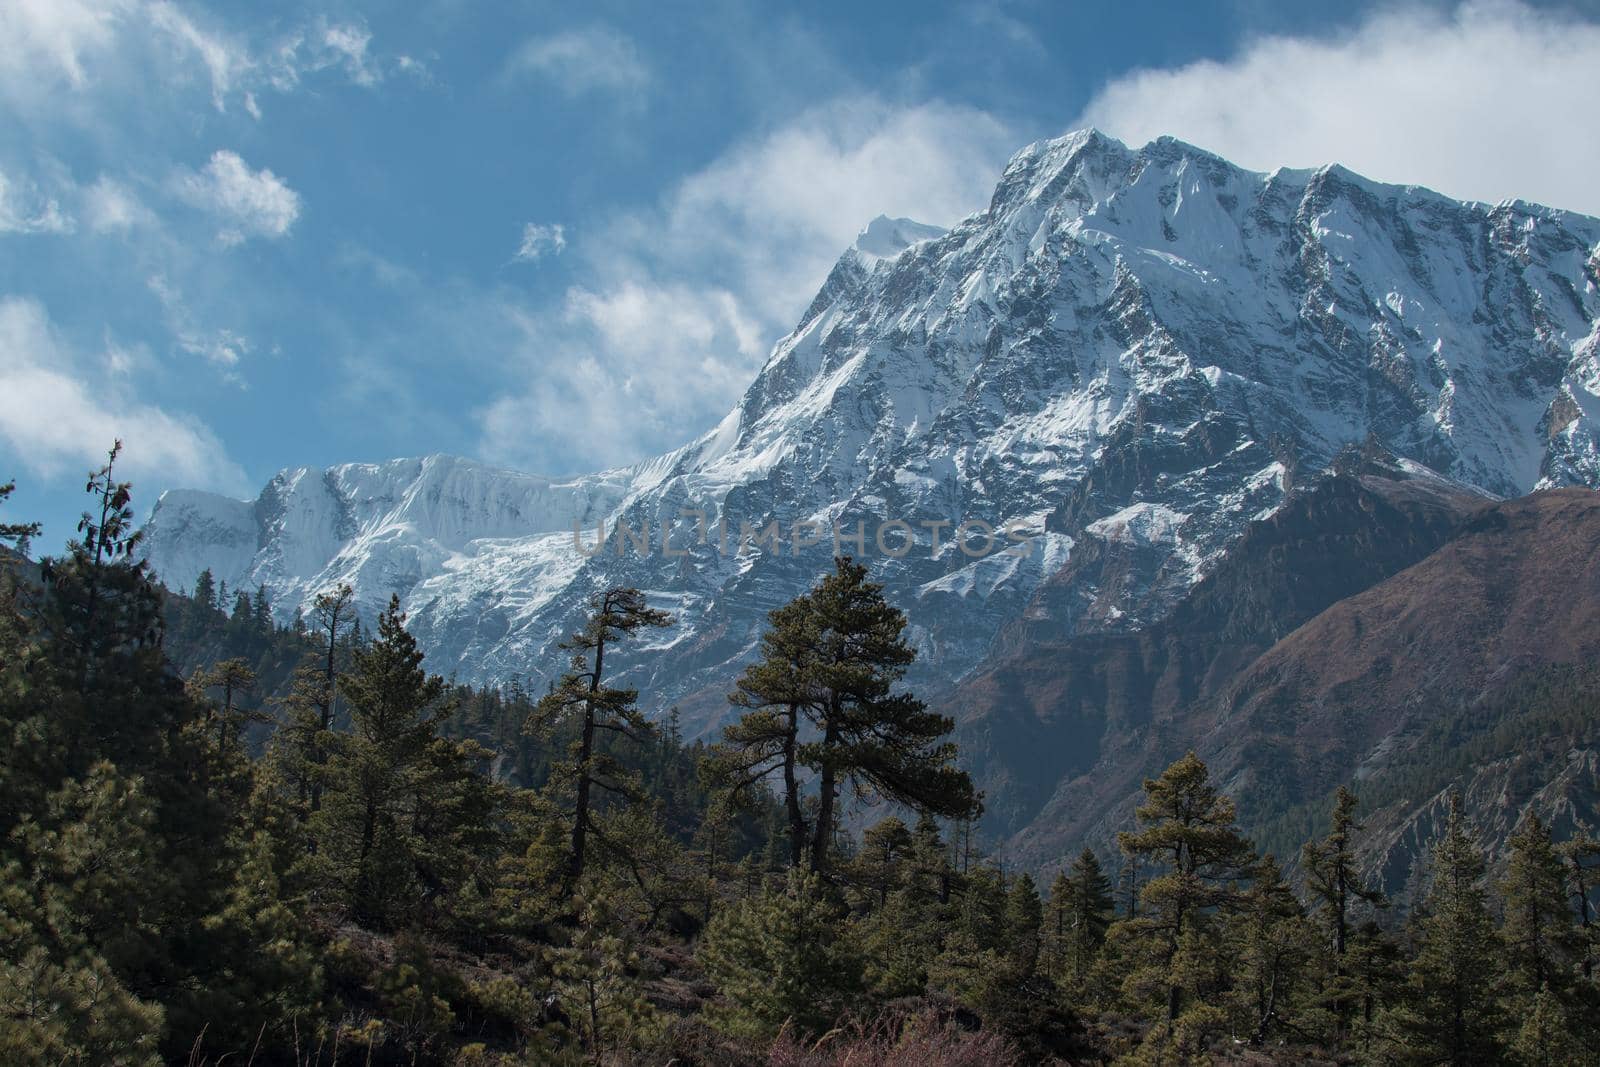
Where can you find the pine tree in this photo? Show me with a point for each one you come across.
(883, 742)
(598, 978)
(1270, 948)
(1543, 946)
(876, 869)
(1337, 885)
(777, 691)
(16, 534)
(1545, 952)
(81, 889)
(1582, 856)
(366, 832)
(1024, 919)
(110, 828)
(1452, 1014)
(1549, 1036)
(312, 705)
(784, 956)
(1056, 912)
(205, 590)
(582, 700)
(1081, 905)
(235, 678)
(1375, 971)
(261, 608)
(1187, 827)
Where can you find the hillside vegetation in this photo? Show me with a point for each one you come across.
(221, 840)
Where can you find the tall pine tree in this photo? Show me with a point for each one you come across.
(583, 701)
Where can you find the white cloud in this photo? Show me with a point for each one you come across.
(56, 39)
(247, 203)
(222, 347)
(24, 209)
(1489, 101)
(538, 239)
(227, 62)
(678, 305)
(595, 59)
(349, 41)
(54, 419)
(109, 205)
(325, 45)
(115, 44)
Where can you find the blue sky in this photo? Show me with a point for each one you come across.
(560, 237)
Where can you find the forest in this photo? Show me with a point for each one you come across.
(225, 840)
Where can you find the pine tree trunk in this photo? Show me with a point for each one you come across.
(791, 792)
(828, 786)
(580, 815)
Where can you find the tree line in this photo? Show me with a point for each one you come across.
(305, 848)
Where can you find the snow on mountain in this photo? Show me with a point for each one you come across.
(885, 238)
(1145, 347)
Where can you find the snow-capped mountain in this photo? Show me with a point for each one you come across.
(1145, 348)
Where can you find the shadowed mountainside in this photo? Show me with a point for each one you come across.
(1375, 620)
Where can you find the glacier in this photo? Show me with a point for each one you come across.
(1145, 349)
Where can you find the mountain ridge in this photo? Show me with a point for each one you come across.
(1143, 349)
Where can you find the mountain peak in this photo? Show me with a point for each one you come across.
(1127, 335)
(885, 238)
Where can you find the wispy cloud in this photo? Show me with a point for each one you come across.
(592, 60)
(676, 306)
(246, 203)
(25, 209)
(58, 39)
(324, 45)
(54, 417)
(1480, 102)
(81, 44)
(221, 347)
(110, 206)
(227, 62)
(539, 239)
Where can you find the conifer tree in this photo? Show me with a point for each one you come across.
(1337, 886)
(885, 743)
(367, 832)
(235, 678)
(1081, 908)
(1543, 947)
(598, 979)
(1024, 919)
(1375, 971)
(876, 869)
(109, 829)
(312, 702)
(16, 534)
(1269, 945)
(1187, 827)
(777, 691)
(1548, 1037)
(1053, 951)
(1452, 1014)
(582, 700)
(205, 590)
(1582, 856)
(831, 659)
(784, 956)
(261, 608)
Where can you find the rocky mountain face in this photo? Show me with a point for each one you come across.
(1052, 713)
(1129, 355)
(1381, 628)
(1144, 369)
